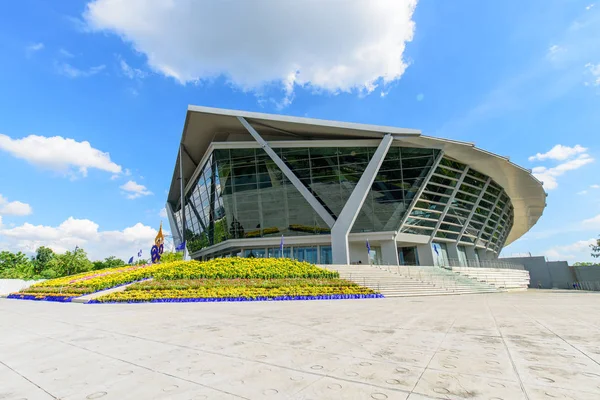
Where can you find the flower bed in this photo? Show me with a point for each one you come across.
(224, 279)
(93, 281)
(248, 268)
(232, 292)
(185, 284)
(228, 299)
(42, 296)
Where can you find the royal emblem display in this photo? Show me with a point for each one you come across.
(158, 247)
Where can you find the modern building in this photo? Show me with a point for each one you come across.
(337, 192)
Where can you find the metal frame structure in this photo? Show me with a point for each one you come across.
(414, 201)
(470, 217)
(289, 132)
(314, 203)
(449, 204)
(345, 221)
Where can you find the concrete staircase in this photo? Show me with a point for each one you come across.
(502, 278)
(401, 281)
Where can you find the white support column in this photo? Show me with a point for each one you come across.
(471, 257)
(182, 201)
(462, 232)
(425, 253)
(346, 218)
(314, 203)
(453, 256)
(175, 231)
(389, 252)
(415, 199)
(450, 200)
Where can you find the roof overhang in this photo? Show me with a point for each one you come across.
(204, 125)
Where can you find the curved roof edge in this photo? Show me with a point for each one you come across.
(204, 125)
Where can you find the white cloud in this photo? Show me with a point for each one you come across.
(555, 51)
(594, 71)
(420, 97)
(321, 45)
(14, 207)
(83, 233)
(578, 251)
(65, 53)
(588, 8)
(130, 72)
(593, 222)
(595, 186)
(582, 192)
(574, 157)
(60, 154)
(559, 153)
(163, 213)
(134, 190)
(35, 47)
(70, 71)
(548, 175)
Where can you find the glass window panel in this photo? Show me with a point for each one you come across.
(470, 189)
(453, 164)
(326, 255)
(438, 189)
(421, 162)
(429, 206)
(466, 197)
(438, 198)
(425, 214)
(417, 231)
(446, 235)
(452, 228)
(475, 182)
(410, 152)
(420, 222)
(448, 172)
(443, 181)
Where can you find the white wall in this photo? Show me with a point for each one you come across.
(358, 252)
(8, 286)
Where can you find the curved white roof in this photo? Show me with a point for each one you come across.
(204, 125)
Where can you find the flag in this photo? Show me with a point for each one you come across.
(140, 253)
(181, 246)
(131, 260)
(281, 246)
(368, 247)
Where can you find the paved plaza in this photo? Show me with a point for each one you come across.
(528, 345)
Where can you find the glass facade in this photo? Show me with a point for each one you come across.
(461, 204)
(242, 194)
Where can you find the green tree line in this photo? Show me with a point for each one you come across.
(46, 264)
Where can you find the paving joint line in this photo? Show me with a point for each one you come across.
(218, 354)
(558, 336)
(507, 351)
(28, 380)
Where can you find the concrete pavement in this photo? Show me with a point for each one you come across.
(528, 345)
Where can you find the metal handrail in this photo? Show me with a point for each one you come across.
(592, 286)
(455, 262)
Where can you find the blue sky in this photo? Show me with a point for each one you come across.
(94, 95)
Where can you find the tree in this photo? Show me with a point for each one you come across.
(583, 264)
(109, 262)
(73, 262)
(595, 249)
(15, 266)
(168, 256)
(43, 259)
